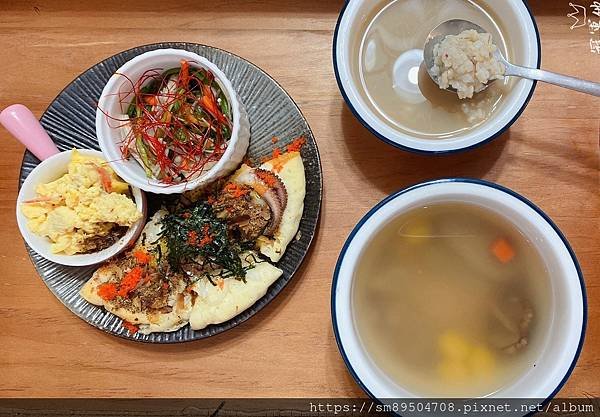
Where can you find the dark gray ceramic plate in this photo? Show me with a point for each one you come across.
(70, 122)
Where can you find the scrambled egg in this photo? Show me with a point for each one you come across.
(88, 201)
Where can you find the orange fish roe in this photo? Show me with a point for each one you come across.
(296, 144)
(279, 164)
(131, 328)
(274, 139)
(276, 153)
(207, 239)
(107, 291)
(268, 178)
(142, 257)
(235, 190)
(192, 238)
(130, 281)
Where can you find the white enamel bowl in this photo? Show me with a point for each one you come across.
(118, 90)
(565, 333)
(523, 37)
(51, 169)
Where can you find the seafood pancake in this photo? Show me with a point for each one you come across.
(218, 303)
(195, 264)
(161, 303)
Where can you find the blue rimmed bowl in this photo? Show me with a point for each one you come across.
(565, 333)
(522, 37)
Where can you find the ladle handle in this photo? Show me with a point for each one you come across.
(572, 83)
(24, 126)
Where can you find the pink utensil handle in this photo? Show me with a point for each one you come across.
(24, 126)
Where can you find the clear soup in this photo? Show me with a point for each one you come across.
(451, 300)
(388, 52)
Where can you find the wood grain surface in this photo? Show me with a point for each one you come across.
(550, 155)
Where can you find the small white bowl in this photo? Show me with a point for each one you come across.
(49, 170)
(565, 331)
(523, 38)
(118, 90)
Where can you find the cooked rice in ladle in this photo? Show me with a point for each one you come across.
(466, 62)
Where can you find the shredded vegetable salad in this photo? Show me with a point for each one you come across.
(180, 123)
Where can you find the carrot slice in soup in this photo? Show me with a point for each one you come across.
(502, 250)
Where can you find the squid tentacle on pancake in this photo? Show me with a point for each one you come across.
(270, 187)
(289, 168)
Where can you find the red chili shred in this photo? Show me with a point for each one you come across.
(178, 126)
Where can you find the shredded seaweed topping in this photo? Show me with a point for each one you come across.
(196, 237)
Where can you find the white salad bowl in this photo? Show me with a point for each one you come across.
(51, 169)
(522, 36)
(118, 91)
(563, 337)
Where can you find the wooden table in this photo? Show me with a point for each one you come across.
(550, 155)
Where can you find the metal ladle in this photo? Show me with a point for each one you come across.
(456, 26)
